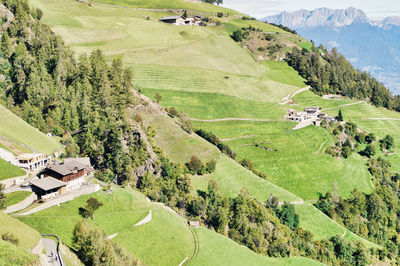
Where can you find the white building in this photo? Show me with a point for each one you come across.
(33, 161)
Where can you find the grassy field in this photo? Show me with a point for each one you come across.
(177, 144)
(8, 170)
(231, 178)
(294, 160)
(15, 197)
(216, 249)
(13, 255)
(164, 240)
(14, 128)
(28, 237)
(386, 122)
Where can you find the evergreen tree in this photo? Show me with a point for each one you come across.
(339, 116)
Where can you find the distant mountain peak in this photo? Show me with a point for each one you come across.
(319, 17)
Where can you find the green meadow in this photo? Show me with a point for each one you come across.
(15, 129)
(216, 249)
(8, 170)
(13, 255)
(16, 197)
(294, 160)
(165, 239)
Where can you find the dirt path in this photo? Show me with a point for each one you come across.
(320, 147)
(145, 220)
(235, 119)
(111, 236)
(241, 137)
(343, 105)
(290, 97)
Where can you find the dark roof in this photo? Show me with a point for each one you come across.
(85, 161)
(47, 183)
(67, 168)
(170, 18)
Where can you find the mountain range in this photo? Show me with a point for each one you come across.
(371, 45)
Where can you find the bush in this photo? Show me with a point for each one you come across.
(186, 123)
(173, 112)
(210, 166)
(195, 165)
(370, 138)
(247, 164)
(220, 14)
(9, 237)
(218, 23)
(237, 35)
(369, 151)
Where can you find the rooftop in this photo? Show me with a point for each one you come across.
(170, 18)
(84, 161)
(67, 168)
(47, 183)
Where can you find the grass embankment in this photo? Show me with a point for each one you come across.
(8, 170)
(28, 237)
(14, 128)
(16, 197)
(164, 240)
(13, 255)
(216, 249)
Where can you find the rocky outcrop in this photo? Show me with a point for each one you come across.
(6, 17)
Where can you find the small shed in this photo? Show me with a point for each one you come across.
(47, 187)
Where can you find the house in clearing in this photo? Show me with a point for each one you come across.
(313, 114)
(174, 20)
(73, 172)
(33, 161)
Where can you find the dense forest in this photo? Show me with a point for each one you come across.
(45, 85)
(328, 72)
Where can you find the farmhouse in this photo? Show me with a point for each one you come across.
(73, 172)
(33, 161)
(311, 114)
(48, 187)
(175, 20)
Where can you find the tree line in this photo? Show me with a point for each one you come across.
(328, 72)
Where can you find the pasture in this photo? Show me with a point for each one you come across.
(8, 170)
(165, 239)
(216, 249)
(15, 129)
(16, 197)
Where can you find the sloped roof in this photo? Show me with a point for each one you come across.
(47, 183)
(85, 161)
(67, 168)
(170, 18)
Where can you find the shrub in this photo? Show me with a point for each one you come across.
(173, 112)
(220, 14)
(247, 164)
(194, 165)
(218, 23)
(370, 138)
(186, 123)
(210, 166)
(237, 35)
(9, 237)
(369, 151)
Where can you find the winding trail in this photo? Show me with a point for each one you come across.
(320, 147)
(343, 105)
(290, 97)
(145, 220)
(111, 236)
(241, 137)
(234, 119)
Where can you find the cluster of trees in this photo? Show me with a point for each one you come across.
(373, 216)
(283, 27)
(328, 72)
(195, 166)
(53, 92)
(93, 247)
(267, 228)
(213, 139)
(349, 139)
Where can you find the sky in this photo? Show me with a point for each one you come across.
(375, 9)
